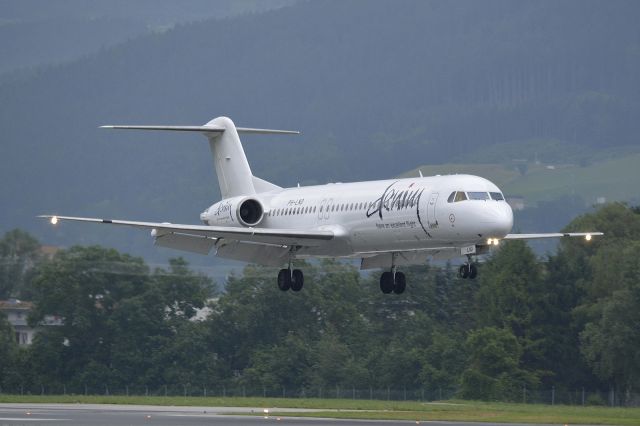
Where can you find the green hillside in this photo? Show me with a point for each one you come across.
(614, 179)
(376, 88)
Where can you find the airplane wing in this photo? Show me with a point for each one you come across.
(280, 237)
(586, 235)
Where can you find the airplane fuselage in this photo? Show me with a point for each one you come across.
(376, 216)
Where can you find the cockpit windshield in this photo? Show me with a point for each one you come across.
(457, 196)
(478, 195)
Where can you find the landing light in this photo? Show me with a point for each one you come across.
(54, 220)
(587, 237)
(493, 241)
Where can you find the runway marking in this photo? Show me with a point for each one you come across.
(27, 419)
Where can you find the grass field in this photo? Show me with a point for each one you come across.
(384, 410)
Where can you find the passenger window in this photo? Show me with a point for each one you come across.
(496, 196)
(451, 197)
(460, 196)
(478, 195)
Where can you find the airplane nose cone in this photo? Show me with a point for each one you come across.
(506, 219)
(500, 217)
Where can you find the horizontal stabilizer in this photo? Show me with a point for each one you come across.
(203, 129)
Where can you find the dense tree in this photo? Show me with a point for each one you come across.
(610, 342)
(604, 273)
(115, 316)
(493, 369)
(8, 352)
(568, 320)
(19, 254)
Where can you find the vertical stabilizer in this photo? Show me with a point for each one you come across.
(232, 167)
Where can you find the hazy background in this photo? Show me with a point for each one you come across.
(543, 97)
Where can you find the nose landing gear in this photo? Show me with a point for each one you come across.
(468, 270)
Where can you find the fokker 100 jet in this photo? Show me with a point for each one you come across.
(385, 223)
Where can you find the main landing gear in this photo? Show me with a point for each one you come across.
(288, 279)
(392, 281)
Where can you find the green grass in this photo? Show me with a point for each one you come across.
(384, 410)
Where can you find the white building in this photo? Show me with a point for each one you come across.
(17, 313)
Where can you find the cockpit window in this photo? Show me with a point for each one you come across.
(496, 196)
(460, 196)
(451, 197)
(478, 195)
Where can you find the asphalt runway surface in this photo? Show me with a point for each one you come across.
(137, 415)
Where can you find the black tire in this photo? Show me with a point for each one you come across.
(297, 280)
(284, 279)
(473, 271)
(463, 272)
(386, 282)
(400, 284)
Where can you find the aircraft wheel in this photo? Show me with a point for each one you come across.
(297, 280)
(473, 271)
(284, 279)
(386, 282)
(400, 284)
(463, 272)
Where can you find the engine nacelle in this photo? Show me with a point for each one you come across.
(246, 211)
(250, 212)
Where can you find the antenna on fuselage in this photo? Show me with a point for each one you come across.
(420, 173)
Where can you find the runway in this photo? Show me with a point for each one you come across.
(147, 415)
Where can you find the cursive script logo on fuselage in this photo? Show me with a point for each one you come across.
(395, 199)
(223, 209)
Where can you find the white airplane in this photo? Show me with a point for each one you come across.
(386, 223)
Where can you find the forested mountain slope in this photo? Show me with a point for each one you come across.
(383, 85)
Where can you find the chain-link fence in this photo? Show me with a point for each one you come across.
(551, 396)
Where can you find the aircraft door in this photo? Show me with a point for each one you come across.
(431, 211)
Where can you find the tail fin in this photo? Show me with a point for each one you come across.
(234, 174)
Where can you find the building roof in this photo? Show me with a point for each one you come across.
(15, 304)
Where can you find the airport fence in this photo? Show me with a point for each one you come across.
(551, 396)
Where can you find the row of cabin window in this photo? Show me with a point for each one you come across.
(334, 207)
(477, 195)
